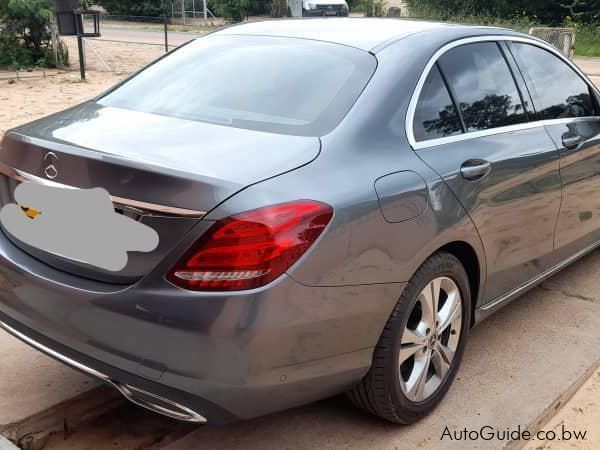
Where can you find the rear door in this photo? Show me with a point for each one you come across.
(569, 108)
(472, 125)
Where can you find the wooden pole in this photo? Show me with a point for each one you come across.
(81, 56)
(165, 21)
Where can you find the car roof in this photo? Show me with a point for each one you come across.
(363, 33)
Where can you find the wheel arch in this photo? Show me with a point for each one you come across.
(469, 259)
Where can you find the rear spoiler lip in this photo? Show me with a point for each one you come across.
(144, 208)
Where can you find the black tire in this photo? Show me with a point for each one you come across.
(379, 392)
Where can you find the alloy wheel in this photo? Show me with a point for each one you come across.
(430, 339)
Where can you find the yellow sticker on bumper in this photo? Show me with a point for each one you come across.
(30, 212)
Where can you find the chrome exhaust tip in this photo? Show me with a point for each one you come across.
(158, 404)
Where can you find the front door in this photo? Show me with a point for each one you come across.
(568, 105)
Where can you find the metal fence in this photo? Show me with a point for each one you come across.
(128, 43)
(189, 11)
(561, 38)
(20, 75)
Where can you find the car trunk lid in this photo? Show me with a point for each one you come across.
(162, 171)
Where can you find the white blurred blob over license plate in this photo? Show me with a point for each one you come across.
(77, 224)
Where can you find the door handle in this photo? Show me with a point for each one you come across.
(571, 141)
(475, 169)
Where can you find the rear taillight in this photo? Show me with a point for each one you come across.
(251, 249)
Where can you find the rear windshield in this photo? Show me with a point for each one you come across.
(280, 85)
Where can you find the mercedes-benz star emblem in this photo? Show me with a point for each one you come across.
(51, 165)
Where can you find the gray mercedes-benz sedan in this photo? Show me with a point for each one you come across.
(337, 203)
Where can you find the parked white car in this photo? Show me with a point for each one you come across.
(324, 8)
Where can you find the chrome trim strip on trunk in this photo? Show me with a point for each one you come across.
(135, 395)
(154, 208)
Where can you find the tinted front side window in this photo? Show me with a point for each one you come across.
(557, 90)
(435, 115)
(281, 85)
(483, 86)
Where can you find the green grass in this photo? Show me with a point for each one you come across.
(587, 41)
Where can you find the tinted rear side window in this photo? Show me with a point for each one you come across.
(483, 86)
(435, 114)
(557, 91)
(281, 85)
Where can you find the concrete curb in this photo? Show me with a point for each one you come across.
(5, 444)
(544, 417)
(31, 433)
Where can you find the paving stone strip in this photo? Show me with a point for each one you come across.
(5, 444)
(39, 395)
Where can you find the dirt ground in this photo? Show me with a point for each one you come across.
(40, 93)
(581, 413)
(33, 98)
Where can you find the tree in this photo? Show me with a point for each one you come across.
(152, 8)
(585, 10)
(25, 35)
(234, 10)
(279, 8)
(552, 12)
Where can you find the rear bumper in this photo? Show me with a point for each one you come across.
(199, 357)
(145, 398)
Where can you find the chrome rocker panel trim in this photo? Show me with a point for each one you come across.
(489, 307)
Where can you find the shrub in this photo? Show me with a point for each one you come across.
(279, 8)
(152, 8)
(373, 8)
(551, 12)
(234, 10)
(25, 39)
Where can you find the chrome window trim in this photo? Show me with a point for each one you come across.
(412, 106)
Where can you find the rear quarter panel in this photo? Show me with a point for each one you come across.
(360, 246)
